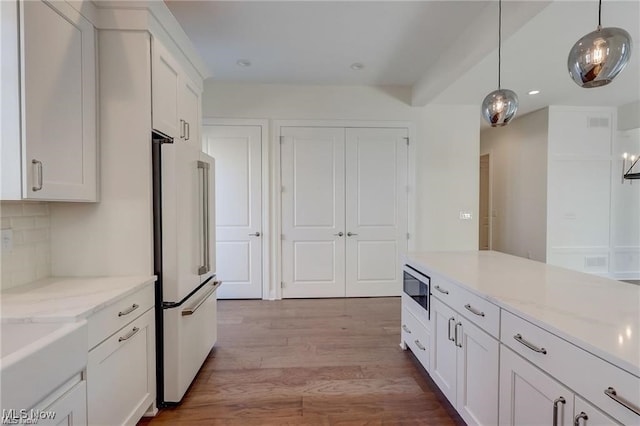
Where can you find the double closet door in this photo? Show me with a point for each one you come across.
(344, 211)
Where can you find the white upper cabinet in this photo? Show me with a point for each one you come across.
(176, 99)
(49, 140)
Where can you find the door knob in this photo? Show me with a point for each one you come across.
(351, 234)
(339, 234)
(255, 234)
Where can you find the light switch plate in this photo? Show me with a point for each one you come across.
(7, 240)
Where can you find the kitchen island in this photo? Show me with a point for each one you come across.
(511, 340)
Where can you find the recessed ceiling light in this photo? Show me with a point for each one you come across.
(357, 66)
(243, 63)
(534, 92)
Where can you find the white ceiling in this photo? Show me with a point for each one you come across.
(445, 50)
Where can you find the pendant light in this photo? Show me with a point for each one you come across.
(500, 106)
(598, 57)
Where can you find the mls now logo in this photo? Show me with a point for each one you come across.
(26, 417)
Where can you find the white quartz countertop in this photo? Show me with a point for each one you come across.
(66, 299)
(597, 314)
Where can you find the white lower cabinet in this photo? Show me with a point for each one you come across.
(70, 409)
(528, 396)
(586, 414)
(121, 368)
(415, 336)
(464, 365)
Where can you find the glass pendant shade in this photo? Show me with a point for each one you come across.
(598, 57)
(499, 107)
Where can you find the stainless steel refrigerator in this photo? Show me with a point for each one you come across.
(184, 258)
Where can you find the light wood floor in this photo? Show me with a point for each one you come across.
(311, 362)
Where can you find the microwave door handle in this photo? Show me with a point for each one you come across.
(206, 267)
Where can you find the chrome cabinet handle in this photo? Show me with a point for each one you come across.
(255, 234)
(419, 345)
(129, 335)
(182, 128)
(339, 234)
(531, 346)
(39, 171)
(458, 344)
(449, 328)
(611, 393)
(441, 290)
(187, 131)
(351, 234)
(128, 310)
(559, 400)
(205, 219)
(191, 310)
(405, 328)
(582, 415)
(474, 310)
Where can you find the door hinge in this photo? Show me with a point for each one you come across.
(407, 139)
(282, 188)
(407, 188)
(281, 139)
(407, 235)
(281, 284)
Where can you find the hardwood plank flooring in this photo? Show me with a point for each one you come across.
(310, 362)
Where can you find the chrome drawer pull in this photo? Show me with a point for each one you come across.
(474, 310)
(441, 290)
(405, 328)
(419, 345)
(582, 415)
(458, 344)
(611, 393)
(38, 165)
(559, 400)
(531, 346)
(449, 329)
(128, 310)
(129, 335)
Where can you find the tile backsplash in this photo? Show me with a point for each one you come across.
(30, 258)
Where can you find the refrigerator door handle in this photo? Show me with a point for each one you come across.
(205, 219)
(192, 309)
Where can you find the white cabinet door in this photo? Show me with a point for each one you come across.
(376, 210)
(443, 349)
(313, 256)
(238, 154)
(530, 397)
(166, 87)
(121, 374)
(477, 375)
(586, 414)
(70, 409)
(58, 102)
(189, 111)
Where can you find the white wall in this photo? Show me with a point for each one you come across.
(579, 187)
(446, 146)
(629, 116)
(518, 180)
(30, 258)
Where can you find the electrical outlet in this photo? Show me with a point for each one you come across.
(465, 215)
(7, 240)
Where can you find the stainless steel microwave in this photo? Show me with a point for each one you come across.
(417, 286)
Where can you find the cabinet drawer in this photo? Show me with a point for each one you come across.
(416, 310)
(121, 374)
(479, 311)
(416, 336)
(112, 318)
(588, 375)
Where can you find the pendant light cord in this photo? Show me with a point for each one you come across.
(599, 14)
(500, 39)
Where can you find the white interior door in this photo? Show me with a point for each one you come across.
(313, 257)
(376, 210)
(238, 154)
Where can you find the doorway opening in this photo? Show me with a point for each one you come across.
(484, 213)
